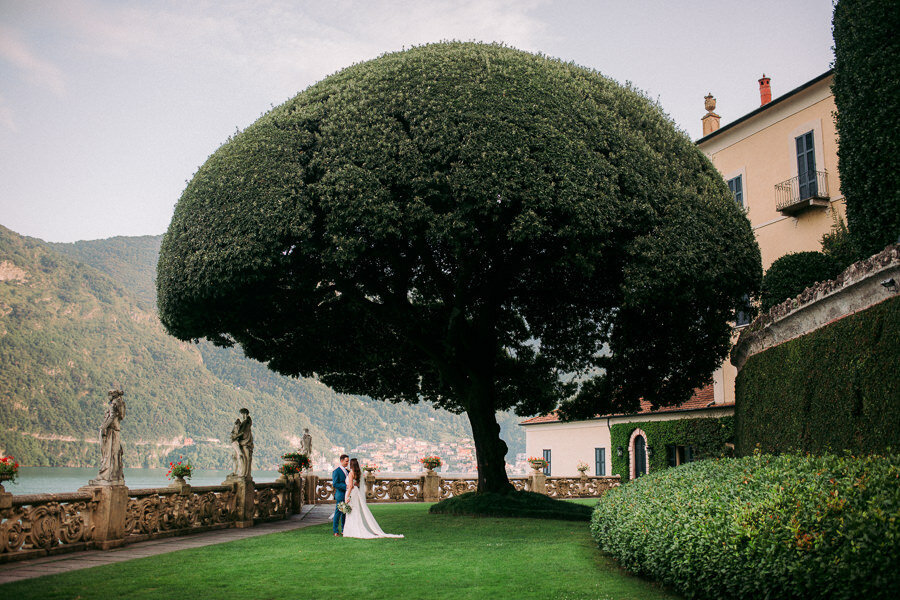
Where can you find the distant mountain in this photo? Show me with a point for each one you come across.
(129, 261)
(75, 318)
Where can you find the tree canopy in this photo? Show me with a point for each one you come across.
(867, 96)
(470, 225)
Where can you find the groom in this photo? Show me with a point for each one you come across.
(339, 482)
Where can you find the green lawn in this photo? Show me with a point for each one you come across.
(441, 557)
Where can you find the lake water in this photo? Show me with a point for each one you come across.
(55, 480)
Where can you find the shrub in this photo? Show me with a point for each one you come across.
(762, 526)
(834, 388)
(867, 97)
(513, 504)
(793, 273)
(839, 244)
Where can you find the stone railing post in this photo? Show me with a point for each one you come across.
(293, 492)
(538, 482)
(5, 498)
(108, 518)
(310, 483)
(297, 487)
(244, 499)
(370, 484)
(431, 487)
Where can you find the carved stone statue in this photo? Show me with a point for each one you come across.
(111, 464)
(306, 443)
(242, 444)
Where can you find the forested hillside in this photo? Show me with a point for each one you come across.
(68, 331)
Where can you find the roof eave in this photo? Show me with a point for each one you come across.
(766, 106)
(659, 412)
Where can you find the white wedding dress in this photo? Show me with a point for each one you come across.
(360, 523)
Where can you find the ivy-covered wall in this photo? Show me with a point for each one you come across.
(707, 437)
(835, 388)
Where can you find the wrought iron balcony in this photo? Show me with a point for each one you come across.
(807, 190)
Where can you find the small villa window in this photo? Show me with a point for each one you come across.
(743, 316)
(806, 166)
(547, 458)
(679, 455)
(736, 186)
(600, 462)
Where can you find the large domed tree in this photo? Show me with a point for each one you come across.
(469, 225)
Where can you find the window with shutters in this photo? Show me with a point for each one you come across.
(736, 185)
(806, 166)
(547, 458)
(600, 462)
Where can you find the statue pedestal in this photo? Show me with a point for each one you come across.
(244, 499)
(538, 482)
(108, 518)
(431, 487)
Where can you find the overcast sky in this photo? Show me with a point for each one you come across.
(107, 108)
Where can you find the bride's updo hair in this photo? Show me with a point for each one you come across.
(354, 466)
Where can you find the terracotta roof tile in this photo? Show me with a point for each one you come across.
(702, 398)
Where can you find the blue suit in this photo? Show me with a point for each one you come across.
(339, 482)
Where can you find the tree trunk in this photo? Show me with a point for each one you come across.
(490, 449)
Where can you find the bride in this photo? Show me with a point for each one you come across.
(360, 523)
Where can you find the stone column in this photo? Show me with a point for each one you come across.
(538, 482)
(297, 486)
(310, 482)
(5, 498)
(108, 518)
(431, 486)
(244, 499)
(370, 484)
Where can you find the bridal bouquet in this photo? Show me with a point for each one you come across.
(344, 508)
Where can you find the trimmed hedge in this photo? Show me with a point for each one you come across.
(867, 96)
(793, 273)
(514, 504)
(706, 436)
(763, 526)
(835, 388)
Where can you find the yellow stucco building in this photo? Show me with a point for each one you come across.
(780, 162)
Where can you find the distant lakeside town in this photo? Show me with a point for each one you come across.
(402, 454)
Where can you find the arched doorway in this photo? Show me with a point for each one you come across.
(640, 456)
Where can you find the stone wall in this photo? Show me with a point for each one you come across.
(818, 373)
(860, 286)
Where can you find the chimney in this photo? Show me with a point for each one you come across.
(710, 119)
(765, 92)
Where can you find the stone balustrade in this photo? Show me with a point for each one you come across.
(40, 524)
(416, 489)
(108, 516)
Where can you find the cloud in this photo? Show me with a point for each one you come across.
(38, 71)
(289, 43)
(6, 116)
